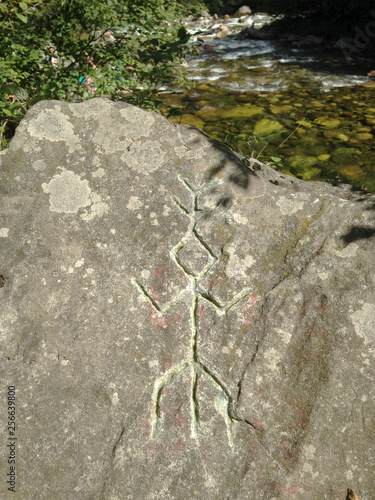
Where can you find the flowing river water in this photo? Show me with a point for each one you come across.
(305, 110)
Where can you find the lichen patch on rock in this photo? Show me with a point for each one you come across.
(68, 192)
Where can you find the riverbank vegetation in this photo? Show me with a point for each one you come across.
(74, 49)
(124, 49)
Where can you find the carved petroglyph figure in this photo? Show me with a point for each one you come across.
(193, 276)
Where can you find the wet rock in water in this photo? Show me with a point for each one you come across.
(370, 120)
(312, 173)
(203, 86)
(370, 84)
(335, 134)
(217, 31)
(206, 38)
(327, 122)
(305, 123)
(242, 111)
(282, 108)
(363, 129)
(343, 155)
(364, 136)
(301, 131)
(223, 31)
(351, 172)
(176, 324)
(209, 113)
(255, 34)
(301, 161)
(242, 11)
(315, 104)
(353, 142)
(265, 127)
(324, 157)
(191, 120)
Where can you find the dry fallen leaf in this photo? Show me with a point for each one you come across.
(352, 496)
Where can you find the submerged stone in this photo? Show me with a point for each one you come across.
(282, 108)
(364, 136)
(243, 111)
(191, 120)
(352, 172)
(265, 127)
(335, 134)
(178, 321)
(363, 129)
(328, 122)
(324, 157)
(345, 154)
(304, 123)
(370, 120)
(311, 174)
(301, 161)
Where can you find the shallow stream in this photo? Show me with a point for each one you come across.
(305, 110)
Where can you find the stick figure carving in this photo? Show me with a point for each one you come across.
(192, 363)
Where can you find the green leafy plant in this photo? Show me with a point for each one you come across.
(274, 161)
(247, 146)
(74, 50)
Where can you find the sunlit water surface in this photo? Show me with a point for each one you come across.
(305, 110)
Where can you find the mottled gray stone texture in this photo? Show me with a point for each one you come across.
(180, 323)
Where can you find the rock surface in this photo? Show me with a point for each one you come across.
(176, 324)
(242, 11)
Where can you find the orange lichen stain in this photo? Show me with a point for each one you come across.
(154, 449)
(317, 333)
(212, 283)
(160, 271)
(182, 278)
(176, 448)
(146, 427)
(155, 318)
(162, 321)
(292, 490)
(166, 391)
(257, 423)
(166, 365)
(154, 295)
(180, 419)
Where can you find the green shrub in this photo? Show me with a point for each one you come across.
(60, 49)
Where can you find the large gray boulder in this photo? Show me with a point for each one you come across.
(177, 324)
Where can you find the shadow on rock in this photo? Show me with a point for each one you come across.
(358, 233)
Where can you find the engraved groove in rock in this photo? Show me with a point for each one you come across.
(197, 369)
